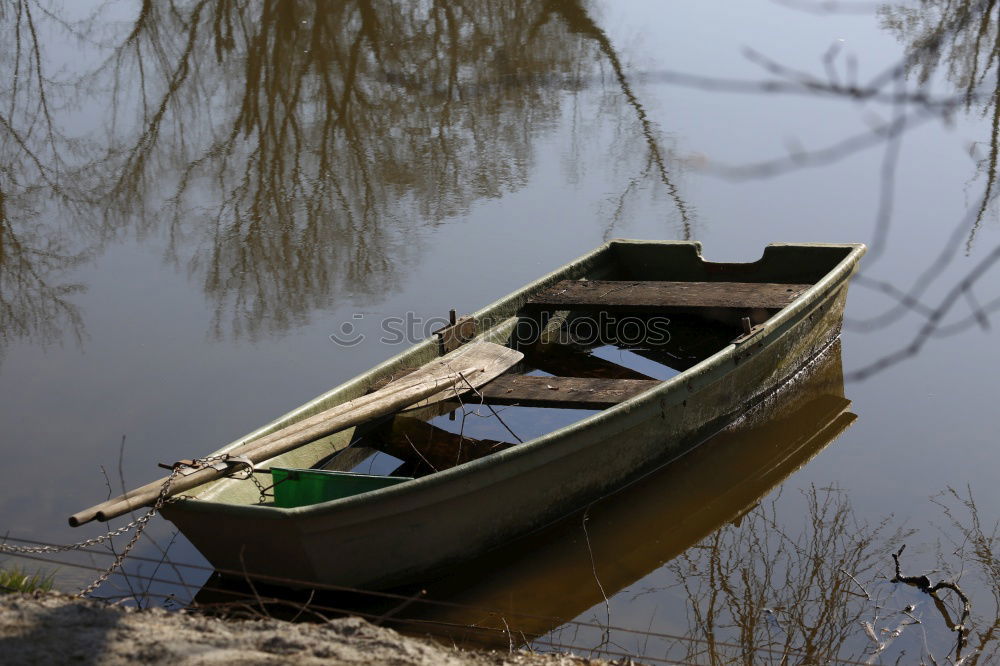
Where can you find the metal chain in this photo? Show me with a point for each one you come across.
(243, 465)
(96, 541)
(239, 463)
(261, 488)
(141, 523)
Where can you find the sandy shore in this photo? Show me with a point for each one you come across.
(51, 629)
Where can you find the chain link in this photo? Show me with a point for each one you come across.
(243, 465)
(261, 488)
(240, 464)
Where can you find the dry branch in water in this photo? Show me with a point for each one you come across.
(923, 583)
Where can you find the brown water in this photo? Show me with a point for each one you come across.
(192, 202)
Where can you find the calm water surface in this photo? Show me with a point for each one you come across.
(193, 201)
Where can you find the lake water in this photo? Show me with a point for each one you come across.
(193, 202)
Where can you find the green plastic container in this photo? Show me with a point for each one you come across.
(302, 487)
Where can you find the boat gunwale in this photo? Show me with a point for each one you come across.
(447, 484)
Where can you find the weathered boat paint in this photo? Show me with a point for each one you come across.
(393, 535)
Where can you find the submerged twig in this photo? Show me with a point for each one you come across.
(923, 584)
(866, 595)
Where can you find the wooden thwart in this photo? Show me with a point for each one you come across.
(648, 296)
(565, 392)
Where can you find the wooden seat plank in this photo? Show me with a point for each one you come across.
(646, 295)
(564, 392)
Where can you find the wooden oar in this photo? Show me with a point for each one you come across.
(466, 368)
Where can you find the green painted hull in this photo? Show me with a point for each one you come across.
(397, 534)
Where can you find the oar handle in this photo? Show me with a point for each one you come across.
(286, 439)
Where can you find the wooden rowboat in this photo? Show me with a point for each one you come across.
(725, 334)
(532, 585)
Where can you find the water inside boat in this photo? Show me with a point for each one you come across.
(577, 367)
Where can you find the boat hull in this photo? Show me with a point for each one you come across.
(399, 534)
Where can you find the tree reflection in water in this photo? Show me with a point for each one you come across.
(289, 150)
(960, 37)
(310, 122)
(35, 258)
(969, 553)
(760, 591)
(757, 592)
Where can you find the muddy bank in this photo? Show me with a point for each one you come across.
(58, 629)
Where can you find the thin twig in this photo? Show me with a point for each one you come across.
(856, 582)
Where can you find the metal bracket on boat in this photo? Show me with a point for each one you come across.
(236, 464)
(458, 331)
(184, 466)
(750, 331)
(220, 463)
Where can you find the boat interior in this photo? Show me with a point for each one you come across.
(563, 378)
(622, 324)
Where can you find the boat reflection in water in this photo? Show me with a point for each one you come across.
(533, 585)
